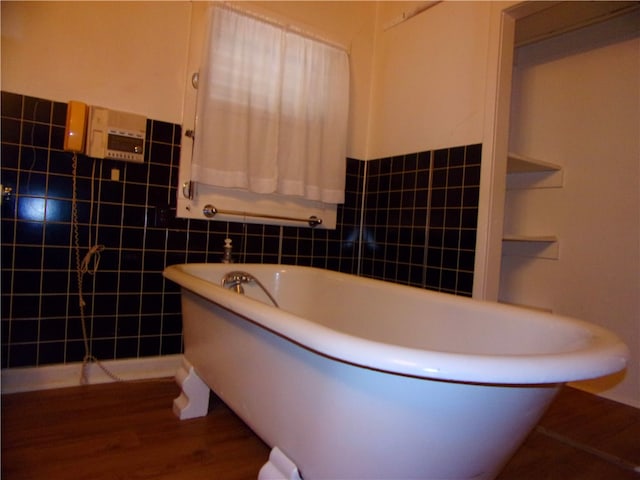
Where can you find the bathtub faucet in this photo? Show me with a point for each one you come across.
(234, 281)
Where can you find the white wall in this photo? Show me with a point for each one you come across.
(128, 56)
(429, 78)
(576, 103)
(133, 56)
(430, 72)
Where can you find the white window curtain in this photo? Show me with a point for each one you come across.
(272, 110)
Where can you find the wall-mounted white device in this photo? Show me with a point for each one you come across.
(115, 135)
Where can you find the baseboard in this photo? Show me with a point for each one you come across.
(68, 375)
(610, 395)
(611, 387)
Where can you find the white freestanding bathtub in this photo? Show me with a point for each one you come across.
(353, 378)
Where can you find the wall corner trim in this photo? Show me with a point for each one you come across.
(14, 380)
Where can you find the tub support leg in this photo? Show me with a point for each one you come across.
(279, 467)
(193, 401)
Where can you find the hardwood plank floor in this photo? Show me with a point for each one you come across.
(581, 437)
(122, 431)
(128, 431)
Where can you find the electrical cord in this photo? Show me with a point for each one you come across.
(89, 264)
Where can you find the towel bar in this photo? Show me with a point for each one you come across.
(210, 211)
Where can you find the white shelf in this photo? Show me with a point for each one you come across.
(526, 173)
(531, 246)
(521, 164)
(530, 238)
(529, 173)
(528, 307)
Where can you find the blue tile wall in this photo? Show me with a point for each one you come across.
(420, 219)
(418, 215)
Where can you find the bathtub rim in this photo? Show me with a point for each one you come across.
(605, 354)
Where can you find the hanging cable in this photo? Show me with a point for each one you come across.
(82, 267)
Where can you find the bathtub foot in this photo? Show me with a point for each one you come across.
(279, 467)
(193, 402)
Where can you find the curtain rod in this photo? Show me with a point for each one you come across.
(404, 16)
(277, 23)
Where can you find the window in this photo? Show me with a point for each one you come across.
(271, 113)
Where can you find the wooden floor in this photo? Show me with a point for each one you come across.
(128, 431)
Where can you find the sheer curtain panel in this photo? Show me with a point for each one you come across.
(272, 110)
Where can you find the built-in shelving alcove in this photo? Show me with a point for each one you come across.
(562, 156)
(529, 173)
(536, 171)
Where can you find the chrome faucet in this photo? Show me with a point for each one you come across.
(234, 281)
